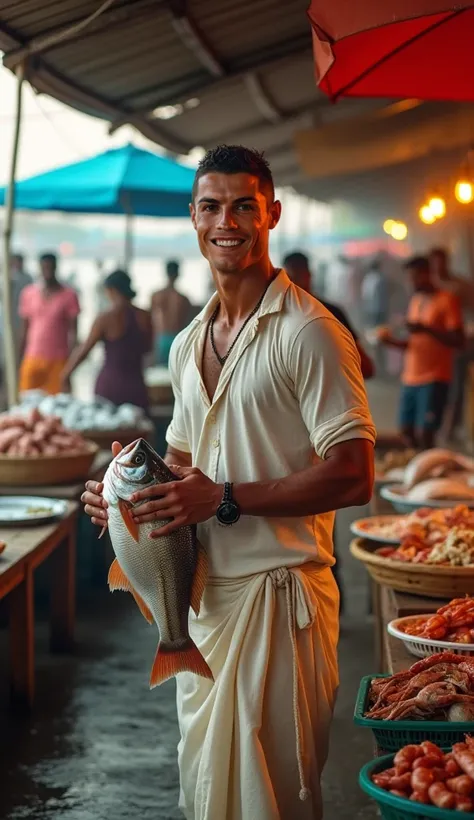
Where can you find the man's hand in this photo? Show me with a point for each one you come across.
(191, 500)
(95, 503)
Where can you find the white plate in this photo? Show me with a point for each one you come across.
(423, 647)
(367, 528)
(30, 509)
(395, 493)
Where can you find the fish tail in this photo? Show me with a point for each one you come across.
(168, 662)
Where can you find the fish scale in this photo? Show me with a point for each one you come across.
(165, 575)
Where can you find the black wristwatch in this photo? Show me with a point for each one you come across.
(228, 511)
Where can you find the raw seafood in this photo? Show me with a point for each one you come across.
(33, 435)
(425, 774)
(435, 536)
(77, 414)
(167, 575)
(435, 463)
(440, 488)
(453, 622)
(425, 691)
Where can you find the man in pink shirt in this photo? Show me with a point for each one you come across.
(49, 312)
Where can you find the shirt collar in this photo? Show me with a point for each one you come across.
(272, 301)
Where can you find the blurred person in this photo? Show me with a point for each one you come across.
(48, 310)
(435, 327)
(171, 311)
(126, 332)
(297, 267)
(374, 292)
(263, 358)
(463, 288)
(19, 279)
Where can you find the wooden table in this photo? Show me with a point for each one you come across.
(27, 548)
(68, 492)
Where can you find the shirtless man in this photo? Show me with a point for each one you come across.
(271, 432)
(171, 312)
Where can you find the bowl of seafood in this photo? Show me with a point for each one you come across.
(423, 781)
(450, 628)
(36, 450)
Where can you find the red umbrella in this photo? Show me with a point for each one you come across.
(396, 48)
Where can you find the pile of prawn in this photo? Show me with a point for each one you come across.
(425, 774)
(444, 536)
(33, 435)
(440, 687)
(453, 622)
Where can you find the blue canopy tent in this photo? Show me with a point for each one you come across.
(126, 180)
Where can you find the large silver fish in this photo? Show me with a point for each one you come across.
(167, 575)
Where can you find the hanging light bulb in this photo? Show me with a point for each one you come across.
(388, 226)
(399, 231)
(437, 206)
(464, 191)
(426, 215)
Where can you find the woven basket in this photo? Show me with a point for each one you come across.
(38, 471)
(431, 581)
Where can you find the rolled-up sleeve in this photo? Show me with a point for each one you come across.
(176, 433)
(328, 383)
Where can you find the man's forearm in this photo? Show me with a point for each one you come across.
(449, 338)
(330, 485)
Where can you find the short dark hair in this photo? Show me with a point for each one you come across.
(296, 260)
(420, 263)
(236, 159)
(49, 257)
(172, 269)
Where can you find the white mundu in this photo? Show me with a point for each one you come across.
(253, 744)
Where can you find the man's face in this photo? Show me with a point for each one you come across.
(421, 279)
(232, 218)
(48, 270)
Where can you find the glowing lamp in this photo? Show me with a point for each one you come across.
(437, 206)
(464, 191)
(388, 226)
(426, 215)
(399, 231)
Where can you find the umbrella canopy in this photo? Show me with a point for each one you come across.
(123, 180)
(402, 48)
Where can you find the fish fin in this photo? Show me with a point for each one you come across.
(103, 531)
(131, 525)
(168, 662)
(199, 579)
(118, 580)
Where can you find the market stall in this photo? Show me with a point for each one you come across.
(419, 702)
(24, 549)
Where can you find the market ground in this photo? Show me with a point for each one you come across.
(99, 746)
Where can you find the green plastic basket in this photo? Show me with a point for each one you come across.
(392, 735)
(397, 808)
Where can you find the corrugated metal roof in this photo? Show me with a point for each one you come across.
(140, 54)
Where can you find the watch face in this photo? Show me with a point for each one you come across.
(228, 513)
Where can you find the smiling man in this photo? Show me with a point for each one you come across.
(271, 433)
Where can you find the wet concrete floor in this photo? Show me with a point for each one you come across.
(100, 746)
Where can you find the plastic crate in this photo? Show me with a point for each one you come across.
(392, 735)
(398, 808)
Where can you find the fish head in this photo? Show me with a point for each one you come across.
(137, 466)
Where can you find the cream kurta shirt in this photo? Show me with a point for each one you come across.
(290, 390)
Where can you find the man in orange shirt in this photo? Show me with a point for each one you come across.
(435, 326)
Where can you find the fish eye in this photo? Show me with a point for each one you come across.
(139, 459)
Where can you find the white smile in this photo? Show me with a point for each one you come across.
(227, 243)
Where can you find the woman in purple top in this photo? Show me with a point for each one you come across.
(126, 332)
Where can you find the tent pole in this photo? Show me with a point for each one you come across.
(128, 251)
(8, 330)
